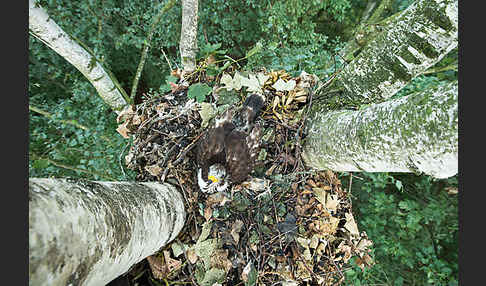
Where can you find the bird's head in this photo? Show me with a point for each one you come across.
(216, 180)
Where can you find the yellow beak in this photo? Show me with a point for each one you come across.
(213, 178)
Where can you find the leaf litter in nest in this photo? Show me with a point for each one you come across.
(219, 248)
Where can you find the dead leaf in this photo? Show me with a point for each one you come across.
(320, 194)
(177, 73)
(154, 170)
(270, 170)
(231, 83)
(191, 255)
(127, 112)
(281, 85)
(363, 245)
(219, 259)
(172, 264)
(178, 249)
(452, 190)
(218, 198)
(249, 274)
(254, 83)
(158, 266)
(332, 202)
(208, 213)
(256, 184)
(173, 86)
(314, 241)
(123, 130)
(351, 224)
(207, 112)
(235, 230)
(129, 157)
(136, 120)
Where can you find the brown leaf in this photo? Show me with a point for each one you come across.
(312, 183)
(452, 190)
(294, 186)
(154, 170)
(217, 199)
(191, 255)
(270, 170)
(136, 120)
(172, 264)
(219, 259)
(177, 73)
(332, 202)
(246, 271)
(126, 113)
(351, 225)
(235, 230)
(208, 213)
(173, 86)
(123, 130)
(158, 266)
(301, 98)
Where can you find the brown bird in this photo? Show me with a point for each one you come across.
(233, 142)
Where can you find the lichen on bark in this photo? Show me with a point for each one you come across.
(188, 41)
(88, 233)
(412, 42)
(46, 30)
(417, 133)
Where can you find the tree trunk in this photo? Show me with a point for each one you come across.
(46, 30)
(417, 133)
(411, 42)
(188, 42)
(88, 233)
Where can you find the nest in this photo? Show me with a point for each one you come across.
(284, 224)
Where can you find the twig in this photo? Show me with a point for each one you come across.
(350, 182)
(57, 164)
(165, 56)
(48, 115)
(120, 160)
(187, 149)
(146, 46)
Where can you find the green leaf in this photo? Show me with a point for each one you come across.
(257, 48)
(398, 184)
(165, 87)
(252, 276)
(199, 91)
(40, 164)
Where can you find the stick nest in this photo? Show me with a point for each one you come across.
(284, 224)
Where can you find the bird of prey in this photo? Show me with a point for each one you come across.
(228, 150)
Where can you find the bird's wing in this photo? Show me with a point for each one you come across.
(210, 149)
(253, 141)
(237, 156)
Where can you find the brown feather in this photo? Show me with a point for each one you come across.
(237, 156)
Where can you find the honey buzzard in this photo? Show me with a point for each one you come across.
(230, 147)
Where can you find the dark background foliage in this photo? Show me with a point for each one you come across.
(411, 218)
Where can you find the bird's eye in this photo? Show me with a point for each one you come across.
(213, 179)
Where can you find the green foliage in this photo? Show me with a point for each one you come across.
(401, 5)
(97, 149)
(414, 227)
(426, 82)
(199, 91)
(411, 219)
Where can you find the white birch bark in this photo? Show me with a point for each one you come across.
(188, 42)
(417, 133)
(46, 30)
(411, 42)
(88, 233)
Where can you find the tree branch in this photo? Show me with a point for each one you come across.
(146, 46)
